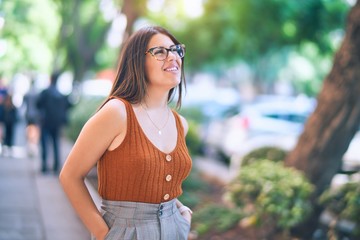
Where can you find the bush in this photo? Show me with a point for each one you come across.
(79, 114)
(193, 187)
(344, 203)
(270, 153)
(193, 140)
(193, 114)
(216, 218)
(270, 193)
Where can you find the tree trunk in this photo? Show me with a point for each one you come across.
(128, 9)
(335, 120)
(81, 40)
(132, 9)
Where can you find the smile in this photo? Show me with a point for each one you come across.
(171, 69)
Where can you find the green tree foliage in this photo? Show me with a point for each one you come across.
(265, 35)
(30, 37)
(260, 33)
(46, 34)
(82, 37)
(232, 30)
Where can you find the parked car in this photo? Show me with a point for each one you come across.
(273, 121)
(268, 118)
(258, 123)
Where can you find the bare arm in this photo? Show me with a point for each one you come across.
(97, 135)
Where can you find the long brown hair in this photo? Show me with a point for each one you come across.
(131, 82)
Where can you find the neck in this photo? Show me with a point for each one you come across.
(155, 102)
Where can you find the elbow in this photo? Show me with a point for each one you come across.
(62, 177)
(67, 177)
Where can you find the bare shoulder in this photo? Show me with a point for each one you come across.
(184, 123)
(115, 106)
(112, 114)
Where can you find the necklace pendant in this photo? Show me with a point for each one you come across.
(159, 132)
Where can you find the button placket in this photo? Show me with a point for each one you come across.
(168, 177)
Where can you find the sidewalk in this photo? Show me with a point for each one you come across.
(33, 206)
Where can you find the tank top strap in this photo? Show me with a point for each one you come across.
(130, 115)
(127, 104)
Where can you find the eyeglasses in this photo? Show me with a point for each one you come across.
(161, 53)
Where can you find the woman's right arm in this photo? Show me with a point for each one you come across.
(96, 136)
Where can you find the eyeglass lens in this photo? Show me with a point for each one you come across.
(161, 53)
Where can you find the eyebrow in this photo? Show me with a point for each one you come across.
(164, 46)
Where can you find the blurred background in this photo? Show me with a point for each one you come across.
(254, 71)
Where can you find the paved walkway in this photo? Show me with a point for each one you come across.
(32, 205)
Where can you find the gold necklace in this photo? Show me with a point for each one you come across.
(159, 129)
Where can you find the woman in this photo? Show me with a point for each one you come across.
(139, 146)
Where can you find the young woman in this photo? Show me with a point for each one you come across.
(138, 144)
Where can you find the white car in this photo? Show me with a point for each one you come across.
(261, 122)
(275, 122)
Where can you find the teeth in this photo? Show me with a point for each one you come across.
(171, 69)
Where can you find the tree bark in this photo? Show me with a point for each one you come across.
(336, 119)
(128, 9)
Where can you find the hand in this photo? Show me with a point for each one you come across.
(187, 216)
(102, 235)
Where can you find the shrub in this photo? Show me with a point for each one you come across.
(344, 203)
(271, 193)
(216, 218)
(79, 114)
(271, 153)
(193, 187)
(193, 140)
(192, 114)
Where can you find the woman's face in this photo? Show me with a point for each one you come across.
(166, 73)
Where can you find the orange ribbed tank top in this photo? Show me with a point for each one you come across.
(138, 171)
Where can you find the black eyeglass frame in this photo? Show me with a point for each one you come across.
(172, 48)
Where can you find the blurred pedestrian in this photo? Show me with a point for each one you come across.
(32, 119)
(138, 144)
(3, 94)
(10, 118)
(53, 107)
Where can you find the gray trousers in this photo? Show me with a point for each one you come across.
(144, 221)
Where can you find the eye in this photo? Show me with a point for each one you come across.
(178, 49)
(159, 51)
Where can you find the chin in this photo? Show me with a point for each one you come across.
(174, 83)
(177, 81)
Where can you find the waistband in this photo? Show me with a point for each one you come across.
(139, 210)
